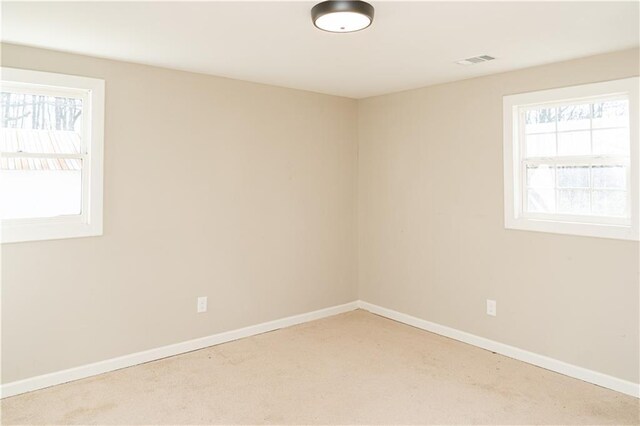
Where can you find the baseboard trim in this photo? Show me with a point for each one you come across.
(88, 370)
(552, 364)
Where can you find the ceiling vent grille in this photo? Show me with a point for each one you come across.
(475, 60)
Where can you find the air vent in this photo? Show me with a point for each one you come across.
(475, 60)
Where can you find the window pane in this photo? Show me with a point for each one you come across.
(40, 112)
(573, 177)
(543, 145)
(611, 142)
(610, 203)
(40, 141)
(541, 176)
(574, 143)
(540, 120)
(541, 200)
(609, 177)
(574, 117)
(40, 123)
(611, 114)
(573, 201)
(40, 187)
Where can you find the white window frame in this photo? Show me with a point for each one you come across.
(514, 216)
(89, 222)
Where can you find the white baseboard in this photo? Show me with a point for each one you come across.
(88, 370)
(81, 372)
(561, 367)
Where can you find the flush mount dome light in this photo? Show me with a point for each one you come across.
(339, 16)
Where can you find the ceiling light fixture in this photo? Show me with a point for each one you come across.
(338, 16)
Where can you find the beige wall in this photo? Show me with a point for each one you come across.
(432, 241)
(242, 192)
(247, 193)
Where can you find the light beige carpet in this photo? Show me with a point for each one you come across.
(353, 368)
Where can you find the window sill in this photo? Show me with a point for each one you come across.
(618, 232)
(17, 233)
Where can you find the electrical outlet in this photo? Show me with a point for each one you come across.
(491, 307)
(202, 304)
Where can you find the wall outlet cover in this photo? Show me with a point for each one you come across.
(491, 307)
(202, 304)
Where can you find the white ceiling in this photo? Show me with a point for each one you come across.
(410, 44)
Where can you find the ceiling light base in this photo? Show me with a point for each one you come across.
(342, 16)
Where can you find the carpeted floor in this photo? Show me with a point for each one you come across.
(354, 368)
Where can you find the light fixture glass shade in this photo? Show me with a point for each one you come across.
(342, 16)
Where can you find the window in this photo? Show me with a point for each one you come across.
(50, 155)
(571, 160)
